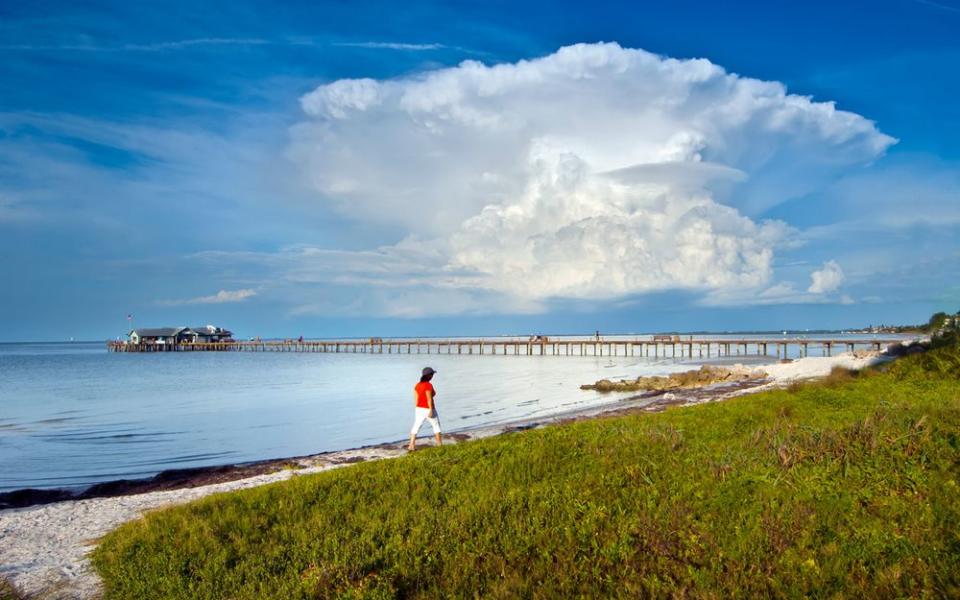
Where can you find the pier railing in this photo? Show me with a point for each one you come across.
(646, 347)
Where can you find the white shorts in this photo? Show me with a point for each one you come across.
(421, 415)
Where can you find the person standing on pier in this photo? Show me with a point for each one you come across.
(425, 408)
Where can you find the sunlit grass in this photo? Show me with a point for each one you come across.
(849, 487)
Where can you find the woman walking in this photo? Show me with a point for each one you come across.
(426, 409)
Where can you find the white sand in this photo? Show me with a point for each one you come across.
(43, 549)
(783, 374)
(817, 366)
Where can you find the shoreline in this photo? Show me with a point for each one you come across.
(176, 479)
(173, 479)
(43, 547)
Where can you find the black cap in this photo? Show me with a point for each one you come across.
(428, 371)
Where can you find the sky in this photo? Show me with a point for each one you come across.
(334, 169)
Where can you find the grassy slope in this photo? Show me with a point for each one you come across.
(846, 487)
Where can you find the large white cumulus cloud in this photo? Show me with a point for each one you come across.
(572, 234)
(596, 170)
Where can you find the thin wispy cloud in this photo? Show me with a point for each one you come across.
(391, 45)
(177, 45)
(938, 5)
(144, 47)
(186, 44)
(10, 210)
(221, 297)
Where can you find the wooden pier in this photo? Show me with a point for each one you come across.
(644, 346)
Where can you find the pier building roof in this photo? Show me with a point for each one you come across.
(159, 331)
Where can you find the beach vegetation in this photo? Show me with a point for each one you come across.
(839, 375)
(847, 488)
(942, 323)
(937, 321)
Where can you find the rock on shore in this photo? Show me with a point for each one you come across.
(705, 375)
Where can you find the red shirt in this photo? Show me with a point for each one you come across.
(422, 388)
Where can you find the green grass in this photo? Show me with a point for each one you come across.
(847, 488)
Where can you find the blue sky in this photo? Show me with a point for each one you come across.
(333, 169)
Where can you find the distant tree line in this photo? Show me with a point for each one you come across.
(939, 322)
(942, 320)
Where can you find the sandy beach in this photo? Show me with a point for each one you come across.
(43, 548)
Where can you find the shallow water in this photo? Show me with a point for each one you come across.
(72, 414)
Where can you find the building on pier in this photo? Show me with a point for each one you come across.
(180, 335)
(209, 333)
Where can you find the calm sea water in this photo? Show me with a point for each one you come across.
(72, 415)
